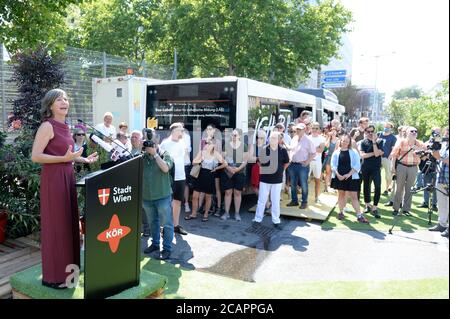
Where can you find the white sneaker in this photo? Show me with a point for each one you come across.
(317, 201)
(186, 208)
(237, 217)
(225, 216)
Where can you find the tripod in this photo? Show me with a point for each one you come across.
(431, 166)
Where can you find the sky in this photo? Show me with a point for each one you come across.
(416, 30)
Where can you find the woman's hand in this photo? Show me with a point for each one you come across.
(92, 158)
(340, 177)
(71, 156)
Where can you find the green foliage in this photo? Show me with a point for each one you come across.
(270, 40)
(121, 27)
(35, 73)
(423, 113)
(30, 23)
(19, 186)
(413, 92)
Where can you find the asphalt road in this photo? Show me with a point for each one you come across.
(301, 251)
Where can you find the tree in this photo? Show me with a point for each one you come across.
(120, 27)
(28, 24)
(348, 96)
(275, 41)
(423, 113)
(412, 92)
(35, 73)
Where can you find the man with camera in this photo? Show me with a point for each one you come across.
(406, 159)
(428, 168)
(442, 182)
(157, 195)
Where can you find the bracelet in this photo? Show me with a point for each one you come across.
(156, 156)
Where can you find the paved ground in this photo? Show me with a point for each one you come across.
(303, 252)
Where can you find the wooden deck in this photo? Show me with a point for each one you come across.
(16, 255)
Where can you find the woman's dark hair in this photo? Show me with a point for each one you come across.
(48, 100)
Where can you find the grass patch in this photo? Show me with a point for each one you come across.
(189, 284)
(418, 220)
(29, 281)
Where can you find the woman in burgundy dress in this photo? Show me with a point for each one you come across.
(53, 145)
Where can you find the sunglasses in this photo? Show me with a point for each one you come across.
(79, 134)
(316, 128)
(369, 132)
(413, 132)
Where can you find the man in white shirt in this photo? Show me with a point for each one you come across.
(187, 169)
(176, 148)
(316, 164)
(106, 128)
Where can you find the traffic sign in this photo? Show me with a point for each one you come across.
(333, 85)
(334, 73)
(335, 79)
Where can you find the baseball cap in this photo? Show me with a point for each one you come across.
(300, 126)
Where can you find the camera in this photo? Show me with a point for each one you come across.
(435, 141)
(148, 136)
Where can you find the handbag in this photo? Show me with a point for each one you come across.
(195, 170)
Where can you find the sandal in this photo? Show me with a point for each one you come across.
(189, 217)
(341, 216)
(204, 219)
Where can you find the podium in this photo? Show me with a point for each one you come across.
(112, 228)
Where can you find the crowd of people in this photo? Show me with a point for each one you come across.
(268, 161)
(286, 158)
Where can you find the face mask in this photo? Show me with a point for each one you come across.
(387, 130)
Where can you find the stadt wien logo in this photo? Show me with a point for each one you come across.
(114, 233)
(103, 196)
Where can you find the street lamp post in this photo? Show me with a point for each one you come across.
(375, 106)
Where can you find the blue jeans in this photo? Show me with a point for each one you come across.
(419, 180)
(429, 178)
(159, 213)
(299, 175)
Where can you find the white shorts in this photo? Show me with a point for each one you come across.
(316, 168)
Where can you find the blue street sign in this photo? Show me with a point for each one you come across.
(335, 73)
(334, 79)
(333, 85)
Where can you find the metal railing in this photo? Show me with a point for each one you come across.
(80, 67)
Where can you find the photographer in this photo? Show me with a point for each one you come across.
(156, 195)
(406, 159)
(427, 168)
(442, 184)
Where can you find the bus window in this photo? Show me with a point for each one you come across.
(208, 102)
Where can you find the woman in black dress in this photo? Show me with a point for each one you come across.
(345, 165)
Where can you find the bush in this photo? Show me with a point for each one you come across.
(35, 73)
(19, 186)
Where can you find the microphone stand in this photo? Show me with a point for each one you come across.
(103, 135)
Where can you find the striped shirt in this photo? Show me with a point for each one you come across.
(405, 154)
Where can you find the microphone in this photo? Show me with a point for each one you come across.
(106, 146)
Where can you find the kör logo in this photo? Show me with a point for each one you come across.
(114, 233)
(103, 196)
